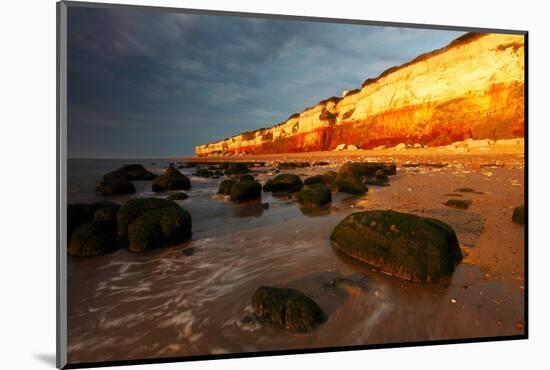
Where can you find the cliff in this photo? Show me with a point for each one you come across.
(472, 88)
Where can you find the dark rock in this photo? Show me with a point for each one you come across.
(329, 178)
(225, 186)
(291, 165)
(315, 195)
(412, 247)
(246, 190)
(79, 213)
(519, 215)
(284, 183)
(218, 173)
(203, 172)
(172, 179)
(469, 190)
(98, 236)
(350, 185)
(366, 169)
(158, 228)
(314, 180)
(287, 308)
(236, 168)
(92, 240)
(178, 196)
(135, 208)
(247, 178)
(115, 186)
(380, 178)
(132, 172)
(458, 203)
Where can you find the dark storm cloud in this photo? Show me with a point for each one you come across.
(144, 83)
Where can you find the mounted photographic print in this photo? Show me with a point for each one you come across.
(235, 184)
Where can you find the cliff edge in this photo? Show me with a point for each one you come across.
(471, 88)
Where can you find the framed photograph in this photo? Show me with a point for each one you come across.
(236, 185)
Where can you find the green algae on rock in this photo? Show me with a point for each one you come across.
(172, 179)
(405, 245)
(287, 308)
(315, 194)
(284, 183)
(159, 227)
(225, 186)
(245, 190)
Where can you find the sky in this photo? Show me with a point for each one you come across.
(145, 83)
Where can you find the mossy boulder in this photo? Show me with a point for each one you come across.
(131, 172)
(329, 178)
(158, 228)
(245, 190)
(172, 179)
(284, 183)
(237, 168)
(225, 186)
(80, 213)
(518, 216)
(178, 196)
(366, 169)
(92, 240)
(115, 186)
(135, 208)
(287, 308)
(412, 247)
(204, 172)
(97, 236)
(314, 180)
(316, 194)
(350, 185)
(380, 178)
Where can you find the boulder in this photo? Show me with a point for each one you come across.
(291, 165)
(177, 196)
(203, 172)
(245, 190)
(287, 308)
(247, 178)
(412, 247)
(314, 180)
(329, 178)
(380, 178)
(366, 169)
(340, 147)
(80, 213)
(131, 172)
(225, 186)
(458, 203)
(92, 240)
(236, 168)
(284, 183)
(172, 179)
(316, 194)
(115, 186)
(350, 185)
(351, 147)
(158, 228)
(98, 236)
(134, 208)
(518, 216)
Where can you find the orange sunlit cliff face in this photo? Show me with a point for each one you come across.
(472, 88)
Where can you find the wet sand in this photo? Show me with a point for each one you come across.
(191, 299)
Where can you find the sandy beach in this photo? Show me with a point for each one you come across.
(194, 298)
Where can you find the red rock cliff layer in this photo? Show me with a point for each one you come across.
(472, 88)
